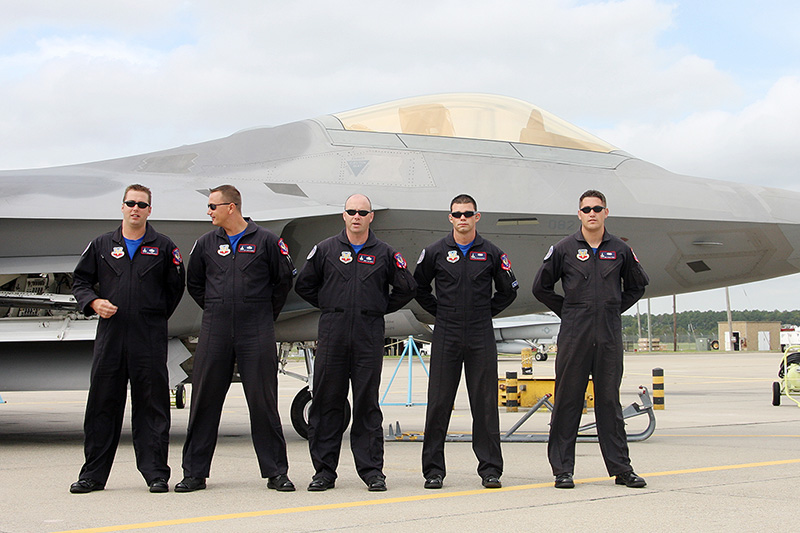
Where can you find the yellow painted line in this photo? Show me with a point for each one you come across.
(406, 499)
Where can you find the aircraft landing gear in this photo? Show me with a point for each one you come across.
(179, 396)
(300, 406)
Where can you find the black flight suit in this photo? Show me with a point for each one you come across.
(352, 291)
(130, 345)
(241, 293)
(463, 335)
(598, 288)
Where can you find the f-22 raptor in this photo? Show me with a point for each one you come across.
(525, 166)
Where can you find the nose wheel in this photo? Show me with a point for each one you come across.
(300, 407)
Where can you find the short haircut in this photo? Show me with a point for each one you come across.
(464, 199)
(229, 194)
(138, 188)
(359, 194)
(591, 193)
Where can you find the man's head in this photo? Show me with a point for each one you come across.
(136, 206)
(595, 203)
(224, 202)
(357, 216)
(464, 214)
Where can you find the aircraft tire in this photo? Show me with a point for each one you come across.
(180, 396)
(776, 393)
(299, 412)
(540, 356)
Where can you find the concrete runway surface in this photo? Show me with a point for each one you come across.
(722, 458)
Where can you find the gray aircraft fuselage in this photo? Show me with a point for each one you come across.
(689, 233)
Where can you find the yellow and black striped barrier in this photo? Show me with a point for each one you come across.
(512, 393)
(658, 388)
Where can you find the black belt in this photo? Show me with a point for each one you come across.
(342, 310)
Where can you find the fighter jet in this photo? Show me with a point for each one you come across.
(525, 166)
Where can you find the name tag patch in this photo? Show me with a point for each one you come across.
(246, 248)
(477, 256)
(604, 254)
(149, 250)
(367, 259)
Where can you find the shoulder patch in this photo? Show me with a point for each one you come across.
(176, 257)
(505, 264)
(421, 256)
(283, 247)
(311, 253)
(634, 255)
(549, 254)
(399, 261)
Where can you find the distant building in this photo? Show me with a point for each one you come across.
(751, 336)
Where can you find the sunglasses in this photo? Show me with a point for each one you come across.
(596, 209)
(214, 207)
(140, 205)
(459, 214)
(361, 212)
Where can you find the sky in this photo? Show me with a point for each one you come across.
(706, 88)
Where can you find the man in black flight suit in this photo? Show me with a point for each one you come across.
(133, 278)
(240, 274)
(348, 277)
(463, 265)
(601, 278)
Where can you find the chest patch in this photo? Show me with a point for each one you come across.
(605, 254)
(477, 256)
(224, 249)
(346, 257)
(452, 256)
(366, 259)
(583, 254)
(149, 250)
(117, 252)
(246, 248)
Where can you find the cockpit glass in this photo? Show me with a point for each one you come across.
(473, 116)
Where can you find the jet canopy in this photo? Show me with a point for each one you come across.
(474, 116)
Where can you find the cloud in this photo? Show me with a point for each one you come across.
(85, 85)
(756, 144)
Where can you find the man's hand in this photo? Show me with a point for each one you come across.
(104, 308)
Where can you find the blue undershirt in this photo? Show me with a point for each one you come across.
(465, 247)
(132, 246)
(357, 247)
(234, 239)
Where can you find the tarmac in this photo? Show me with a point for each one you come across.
(722, 458)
